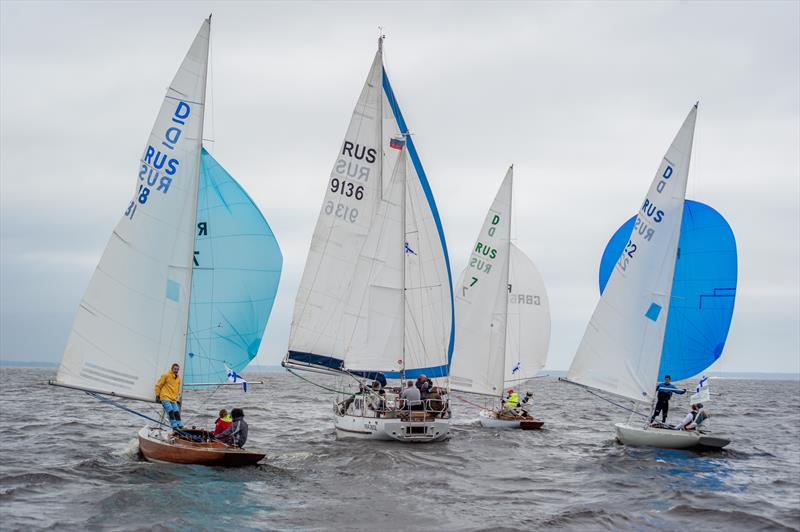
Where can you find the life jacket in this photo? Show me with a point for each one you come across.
(513, 400)
(221, 424)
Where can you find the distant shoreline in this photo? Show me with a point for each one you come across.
(741, 375)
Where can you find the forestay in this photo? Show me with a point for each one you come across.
(703, 289)
(376, 292)
(131, 323)
(237, 268)
(621, 350)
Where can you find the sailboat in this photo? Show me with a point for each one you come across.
(375, 301)
(668, 282)
(502, 318)
(189, 275)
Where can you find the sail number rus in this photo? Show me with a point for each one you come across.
(482, 256)
(346, 181)
(645, 225)
(158, 168)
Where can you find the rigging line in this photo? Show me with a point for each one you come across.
(528, 378)
(319, 385)
(615, 404)
(132, 411)
(469, 402)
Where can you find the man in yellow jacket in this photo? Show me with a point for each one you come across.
(168, 392)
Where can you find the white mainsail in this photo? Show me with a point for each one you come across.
(502, 310)
(131, 323)
(375, 293)
(621, 349)
(482, 303)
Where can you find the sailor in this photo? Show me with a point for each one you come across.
(223, 422)
(424, 385)
(411, 397)
(511, 401)
(526, 404)
(699, 417)
(236, 434)
(168, 393)
(688, 420)
(665, 390)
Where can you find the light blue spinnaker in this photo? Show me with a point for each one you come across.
(236, 274)
(703, 289)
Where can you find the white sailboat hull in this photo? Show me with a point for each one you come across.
(387, 429)
(666, 438)
(489, 419)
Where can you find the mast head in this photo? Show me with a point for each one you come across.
(697, 104)
(381, 37)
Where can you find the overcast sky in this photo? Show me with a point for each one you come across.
(584, 99)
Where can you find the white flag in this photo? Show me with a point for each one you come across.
(701, 395)
(236, 378)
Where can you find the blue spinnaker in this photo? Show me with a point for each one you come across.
(703, 289)
(236, 273)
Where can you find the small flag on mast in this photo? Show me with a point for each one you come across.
(235, 378)
(701, 392)
(397, 143)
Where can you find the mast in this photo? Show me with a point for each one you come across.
(508, 280)
(403, 281)
(194, 209)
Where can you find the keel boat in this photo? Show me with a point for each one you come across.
(668, 285)
(188, 276)
(375, 300)
(502, 319)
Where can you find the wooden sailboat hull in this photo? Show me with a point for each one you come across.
(158, 445)
(666, 438)
(491, 419)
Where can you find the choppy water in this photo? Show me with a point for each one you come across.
(69, 462)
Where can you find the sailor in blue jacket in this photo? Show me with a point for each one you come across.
(665, 390)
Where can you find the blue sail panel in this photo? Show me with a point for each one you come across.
(703, 289)
(236, 273)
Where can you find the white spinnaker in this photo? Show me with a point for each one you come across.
(131, 323)
(528, 321)
(479, 356)
(621, 349)
(330, 294)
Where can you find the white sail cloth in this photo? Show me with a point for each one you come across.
(621, 349)
(131, 323)
(482, 303)
(502, 310)
(528, 321)
(375, 292)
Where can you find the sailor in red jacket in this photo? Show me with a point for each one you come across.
(223, 422)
